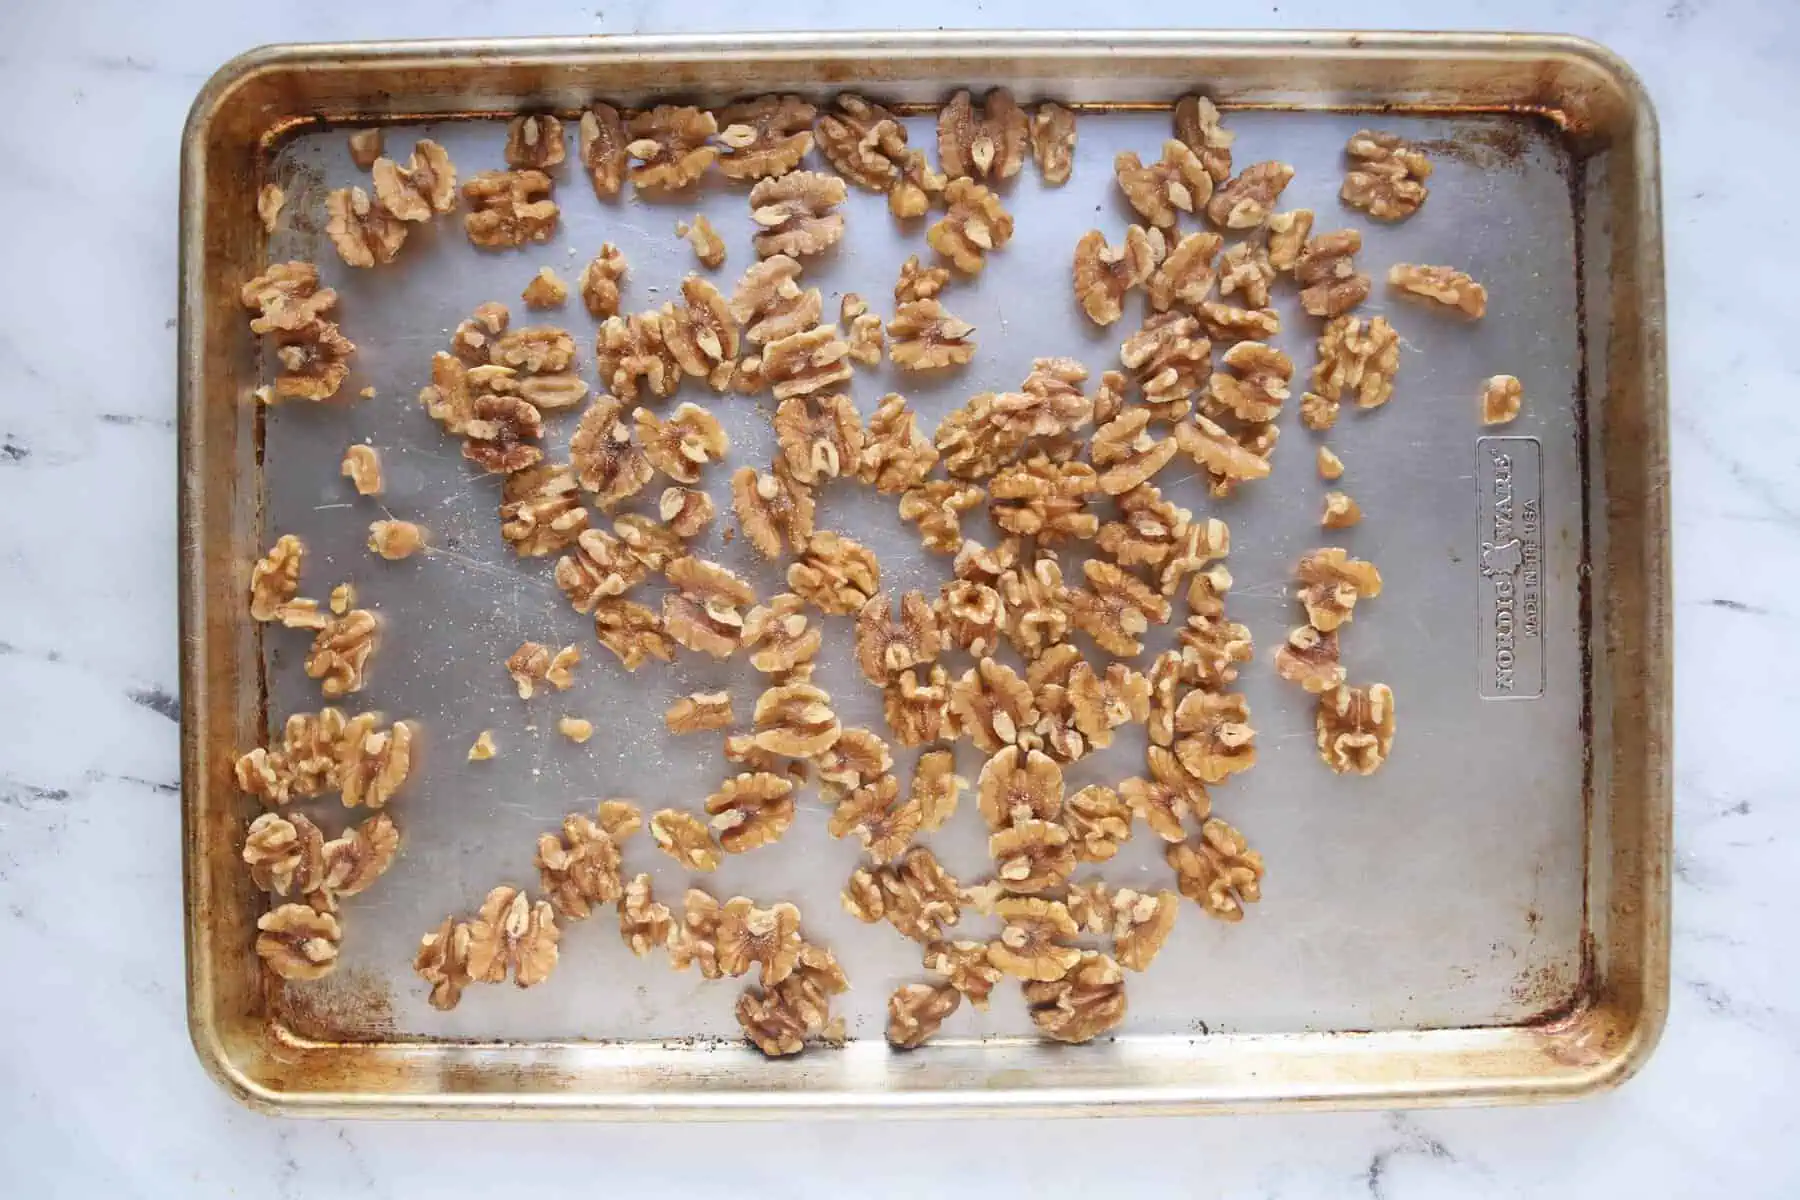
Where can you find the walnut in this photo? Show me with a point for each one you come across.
(1127, 454)
(971, 615)
(275, 577)
(1386, 178)
(1171, 361)
(1257, 385)
(545, 290)
(795, 720)
(632, 632)
(797, 213)
(1197, 125)
(1166, 799)
(1177, 183)
(1446, 285)
(443, 961)
(926, 337)
(541, 510)
(779, 637)
(498, 434)
(1354, 358)
(685, 442)
(972, 442)
(866, 339)
(576, 729)
(534, 141)
(1501, 398)
(700, 334)
(686, 839)
(1053, 141)
(1227, 461)
(884, 648)
(702, 614)
(1340, 511)
(580, 868)
(858, 759)
(298, 943)
(895, 457)
(1032, 856)
(918, 713)
(605, 459)
(1331, 467)
(863, 142)
(1217, 870)
(965, 966)
(343, 599)
(1210, 647)
(314, 361)
(365, 147)
(770, 305)
(835, 574)
(1246, 268)
(1150, 531)
(1032, 945)
(1246, 201)
(1115, 608)
(395, 540)
(1213, 738)
(362, 467)
(286, 855)
(1288, 233)
(778, 1020)
(1330, 284)
(1090, 905)
(1141, 924)
(511, 934)
(603, 141)
(340, 653)
(685, 512)
(992, 706)
(669, 147)
(364, 233)
(1356, 727)
(772, 507)
(768, 938)
(935, 788)
(1019, 785)
(1227, 322)
(820, 437)
(915, 895)
(599, 281)
(644, 924)
(648, 542)
(974, 224)
(1036, 603)
(883, 822)
(1103, 274)
(1186, 274)
(601, 568)
(287, 298)
(751, 810)
(1098, 821)
(916, 1011)
(765, 136)
(1310, 659)
(1087, 1001)
(483, 747)
(424, 187)
(1105, 702)
(373, 763)
(509, 208)
(694, 942)
(700, 712)
(353, 861)
(533, 661)
(807, 363)
(1331, 582)
(1046, 500)
(992, 145)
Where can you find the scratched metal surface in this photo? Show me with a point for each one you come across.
(1444, 891)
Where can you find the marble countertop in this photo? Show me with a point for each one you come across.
(100, 1092)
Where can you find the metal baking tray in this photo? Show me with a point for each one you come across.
(1484, 920)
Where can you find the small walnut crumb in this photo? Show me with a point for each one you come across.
(797, 213)
(1288, 233)
(1019, 785)
(925, 337)
(1257, 385)
(834, 573)
(1331, 582)
(1310, 659)
(1217, 870)
(1386, 178)
(509, 208)
(269, 201)
(1186, 274)
(1246, 268)
(1053, 141)
(275, 578)
(1197, 125)
(1171, 360)
(772, 507)
(1098, 821)
(1501, 398)
(484, 747)
(1340, 511)
(599, 281)
(364, 233)
(670, 147)
(1446, 285)
(365, 147)
(766, 136)
(918, 712)
(340, 652)
(575, 729)
(1331, 467)
(545, 290)
(974, 224)
(884, 648)
(1330, 284)
(1033, 944)
(362, 467)
(395, 540)
(534, 141)
(751, 810)
(511, 934)
(699, 233)
(992, 145)
(1103, 273)
(1177, 183)
(423, 188)
(1356, 727)
(1045, 500)
(603, 139)
(1246, 201)
(700, 712)
(1115, 608)
(686, 839)
(298, 943)
(916, 1011)
(795, 720)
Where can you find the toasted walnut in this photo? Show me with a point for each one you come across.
(1165, 800)
(1019, 785)
(765, 136)
(686, 839)
(702, 613)
(1098, 821)
(483, 748)
(373, 763)
(772, 507)
(1186, 274)
(580, 868)
(1386, 178)
(512, 935)
(926, 337)
(1141, 924)
(545, 290)
(936, 505)
(820, 437)
(778, 1020)
(915, 895)
(576, 729)
(340, 653)
(354, 860)
(541, 510)
(1446, 285)
(1288, 233)
(364, 233)
(1035, 604)
(1053, 141)
(1356, 727)
(599, 281)
(971, 615)
(287, 297)
(362, 467)
(1330, 284)
(858, 759)
(992, 706)
(916, 1011)
(1227, 322)
(1083, 1003)
(863, 142)
(426, 186)
(808, 363)
(974, 224)
(935, 788)
(286, 855)
(606, 460)
(895, 457)
(884, 648)
(779, 637)
(275, 577)
(500, 430)
(632, 632)
(1170, 359)
(1501, 398)
(509, 208)
(965, 967)
(1032, 945)
(306, 764)
(1331, 467)
(1210, 647)
(1103, 702)
(1049, 406)
(365, 147)
(298, 943)
(644, 924)
(992, 145)
(1103, 273)
(797, 213)
(535, 141)
(920, 183)
(1226, 460)
(751, 810)
(1115, 608)
(694, 942)
(1246, 268)
(395, 540)
(443, 962)
(1340, 511)
(1257, 385)
(1213, 738)
(1150, 531)
(1032, 856)
(918, 713)
(770, 304)
(1046, 500)
(1127, 455)
(1331, 582)
(1246, 201)
(649, 543)
(1177, 183)
(700, 712)
(795, 720)
(1355, 358)
(1197, 125)
(866, 339)
(314, 360)
(1218, 870)
(835, 574)
(682, 444)
(601, 568)
(603, 140)
(1310, 659)
(1090, 905)
(972, 442)
(875, 813)
(670, 148)
(768, 938)
(534, 661)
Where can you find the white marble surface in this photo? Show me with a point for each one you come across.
(99, 1090)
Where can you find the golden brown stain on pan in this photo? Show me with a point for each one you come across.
(346, 1006)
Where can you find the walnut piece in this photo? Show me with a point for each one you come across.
(1330, 284)
(353, 861)
(686, 839)
(1246, 201)
(1019, 785)
(603, 140)
(1037, 604)
(884, 648)
(808, 363)
(340, 653)
(1310, 659)
(700, 712)
(1032, 856)
(965, 967)
(395, 540)
(1165, 800)
(992, 145)
(670, 147)
(286, 855)
(858, 759)
(778, 636)
(534, 661)
(768, 938)
(365, 147)
(1103, 273)
(512, 935)
(766, 136)
(1053, 141)
(1087, 1001)
(917, 1010)
(751, 810)
(935, 788)
(992, 707)
(1141, 925)
(362, 467)
(918, 282)
(1115, 608)
(372, 763)
(915, 895)
(834, 573)
(644, 924)
(534, 141)
(545, 290)
(1340, 511)
(1228, 322)
(509, 208)
(1331, 582)
(1185, 275)
(541, 510)
(1213, 737)
(769, 303)
(1356, 727)
(1171, 360)
(364, 233)
(918, 712)
(688, 440)
(895, 456)
(795, 720)
(1446, 285)
(694, 941)
(772, 507)
(1217, 870)
(1098, 821)
(632, 632)
(580, 868)
(883, 822)
(1288, 232)
(797, 213)
(298, 943)
(926, 337)
(1127, 455)
(863, 142)
(1246, 268)
(442, 961)
(1045, 500)
(1177, 183)
(1197, 125)
(1257, 385)
(1501, 398)
(576, 729)
(423, 188)
(974, 224)
(701, 613)
(1102, 702)
(275, 578)
(1228, 461)
(1331, 467)
(269, 201)
(601, 568)
(1356, 359)
(1033, 943)
(1386, 178)
(599, 282)
(699, 233)
(483, 747)
(287, 298)
(820, 437)
(778, 1020)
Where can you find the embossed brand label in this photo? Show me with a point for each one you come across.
(1509, 478)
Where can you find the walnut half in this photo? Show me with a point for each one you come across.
(1103, 273)
(1356, 728)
